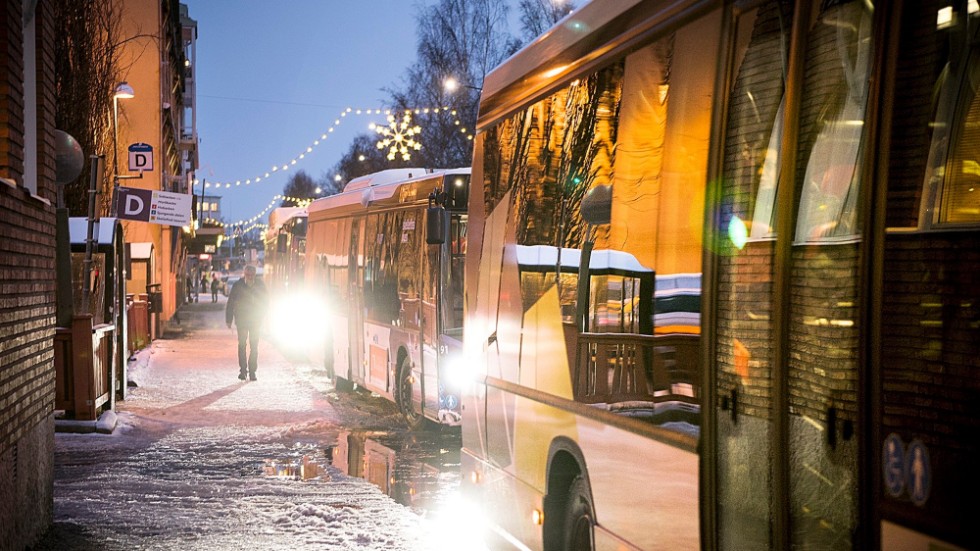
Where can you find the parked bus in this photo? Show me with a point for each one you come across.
(388, 251)
(800, 181)
(285, 249)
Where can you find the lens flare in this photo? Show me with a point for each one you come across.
(737, 232)
(299, 320)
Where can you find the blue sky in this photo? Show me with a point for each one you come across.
(273, 76)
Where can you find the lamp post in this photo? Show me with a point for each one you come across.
(451, 85)
(123, 91)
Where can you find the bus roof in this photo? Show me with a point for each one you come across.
(281, 215)
(571, 48)
(374, 187)
(385, 177)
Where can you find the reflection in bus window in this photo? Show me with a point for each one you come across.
(833, 106)
(614, 126)
(755, 118)
(953, 168)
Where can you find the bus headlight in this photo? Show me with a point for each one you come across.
(299, 320)
(458, 372)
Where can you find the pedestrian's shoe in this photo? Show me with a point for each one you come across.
(241, 375)
(251, 376)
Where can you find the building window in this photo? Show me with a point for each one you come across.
(30, 96)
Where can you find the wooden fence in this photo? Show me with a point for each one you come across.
(138, 323)
(83, 363)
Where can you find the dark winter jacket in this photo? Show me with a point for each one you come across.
(246, 303)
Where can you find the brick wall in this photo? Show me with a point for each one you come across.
(27, 288)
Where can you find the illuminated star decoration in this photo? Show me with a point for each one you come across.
(399, 137)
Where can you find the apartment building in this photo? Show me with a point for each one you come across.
(158, 63)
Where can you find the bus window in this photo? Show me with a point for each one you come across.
(953, 167)
(405, 228)
(744, 333)
(457, 260)
(832, 115)
(613, 126)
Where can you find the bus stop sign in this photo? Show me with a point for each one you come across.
(140, 157)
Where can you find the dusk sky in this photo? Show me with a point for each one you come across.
(274, 76)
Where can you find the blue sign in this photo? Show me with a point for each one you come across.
(919, 472)
(893, 463)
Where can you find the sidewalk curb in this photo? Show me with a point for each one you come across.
(105, 424)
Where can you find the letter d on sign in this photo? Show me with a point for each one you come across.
(134, 205)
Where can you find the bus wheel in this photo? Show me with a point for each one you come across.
(578, 525)
(341, 384)
(413, 419)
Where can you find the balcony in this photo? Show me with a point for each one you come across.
(187, 141)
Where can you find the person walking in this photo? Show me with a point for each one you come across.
(247, 303)
(215, 283)
(203, 288)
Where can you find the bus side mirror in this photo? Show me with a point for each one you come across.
(436, 225)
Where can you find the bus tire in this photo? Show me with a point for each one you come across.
(579, 522)
(341, 384)
(414, 419)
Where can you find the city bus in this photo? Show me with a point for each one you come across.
(388, 254)
(285, 249)
(799, 179)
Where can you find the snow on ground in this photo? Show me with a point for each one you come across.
(200, 460)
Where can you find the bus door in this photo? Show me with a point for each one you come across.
(432, 296)
(925, 373)
(788, 301)
(355, 300)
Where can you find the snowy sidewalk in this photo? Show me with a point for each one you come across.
(196, 459)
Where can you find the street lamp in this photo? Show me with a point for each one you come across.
(450, 84)
(123, 91)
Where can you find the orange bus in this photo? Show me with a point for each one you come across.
(799, 181)
(388, 253)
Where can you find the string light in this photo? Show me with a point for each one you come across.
(388, 113)
(256, 226)
(299, 201)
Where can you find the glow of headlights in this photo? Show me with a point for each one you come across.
(457, 524)
(299, 320)
(458, 372)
